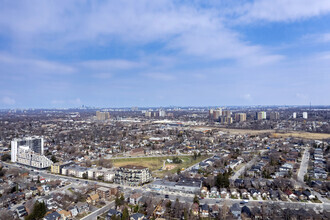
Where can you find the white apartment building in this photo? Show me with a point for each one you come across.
(29, 151)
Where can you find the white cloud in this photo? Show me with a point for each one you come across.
(284, 10)
(111, 64)
(159, 76)
(247, 97)
(102, 75)
(34, 65)
(76, 101)
(57, 102)
(185, 28)
(8, 101)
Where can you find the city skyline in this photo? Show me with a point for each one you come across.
(60, 54)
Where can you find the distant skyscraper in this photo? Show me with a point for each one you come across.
(261, 115)
(217, 113)
(101, 116)
(294, 115)
(226, 120)
(274, 116)
(162, 113)
(226, 113)
(147, 114)
(240, 117)
(305, 115)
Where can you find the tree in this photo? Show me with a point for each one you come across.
(125, 215)
(54, 159)
(6, 157)
(85, 176)
(39, 210)
(196, 199)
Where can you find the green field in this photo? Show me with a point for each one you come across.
(155, 163)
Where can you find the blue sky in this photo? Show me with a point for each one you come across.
(56, 54)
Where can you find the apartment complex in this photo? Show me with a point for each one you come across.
(132, 175)
(102, 116)
(29, 151)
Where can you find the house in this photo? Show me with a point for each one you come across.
(290, 194)
(214, 193)
(300, 195)
(235, 209)
(74, 211)
(137, 216)
(215, 209)
(204, 210)
(113, 212)
(246, 211)
(29, 205)
(21, 211)
(134, 198)
(64, 214)
(223, 193)
(308, 194)
(52, 216)
(92, 199)
(82, 207)
(195, 209)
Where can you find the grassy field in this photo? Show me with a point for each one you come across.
(155, 163)
(296, 134)
(304, 135)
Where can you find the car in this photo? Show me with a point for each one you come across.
(166, 196)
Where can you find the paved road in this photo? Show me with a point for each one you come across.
(247, 166)
(100, 211)
(303, 165)
(167, 155)
(229, 202)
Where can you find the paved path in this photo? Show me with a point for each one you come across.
(247, 166)
(100, 211)
(303, 165)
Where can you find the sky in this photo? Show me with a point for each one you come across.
(60, 54)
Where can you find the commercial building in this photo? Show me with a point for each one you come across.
(101, 116)
(57, 167)
(76, 171)
(95, 173)
(132, 175)
(103, 192)
(294, 115)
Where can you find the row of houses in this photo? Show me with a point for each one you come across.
(319, 165)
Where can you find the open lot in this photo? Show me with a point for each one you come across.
(155, 163)
(304, 135)
(296, 134)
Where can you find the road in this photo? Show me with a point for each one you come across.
(100, 211)
(303, 165)
(229, 202)
(167, 155)
(247, 166)
(185, 197)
